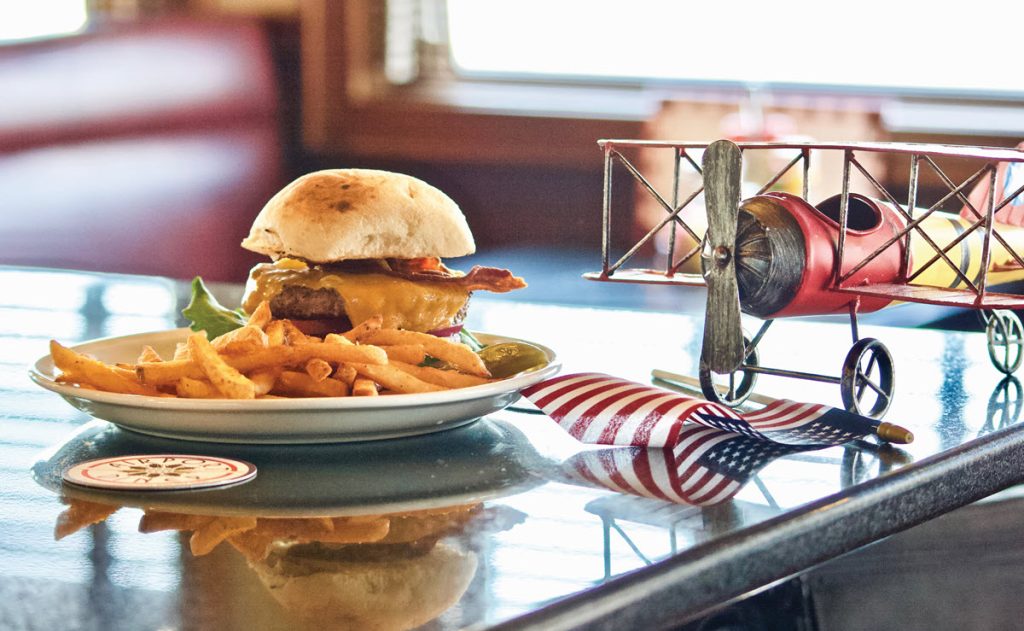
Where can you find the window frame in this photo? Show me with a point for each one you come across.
(350, 108)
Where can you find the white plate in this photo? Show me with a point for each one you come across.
(307, 420)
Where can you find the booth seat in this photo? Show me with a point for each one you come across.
(144, 148)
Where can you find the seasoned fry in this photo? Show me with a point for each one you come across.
(446, 378)
(364, 328)
(180, 351)
(246, 339)
(334, 338)
(362, 387)
(394, 379)
(163, 373)
(264, 380)
(345, 373)
(148, 354)
(408, 353)
(318, 369)
(190, 388)
(456, 354)
(96, 373)
(296, 383)
(229, 381)
(293, 335)
(261, 315)
(275, 333)
(208, 536)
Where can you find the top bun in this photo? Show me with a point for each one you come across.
(341, 214)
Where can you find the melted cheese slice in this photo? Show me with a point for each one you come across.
(405, 304)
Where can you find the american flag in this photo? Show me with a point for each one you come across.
(600, 409)
(706, 466)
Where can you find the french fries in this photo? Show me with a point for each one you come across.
(363, 387)
(458, 355)
(273, 358)
(227, 379)
(92, 372)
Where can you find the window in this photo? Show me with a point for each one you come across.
(901, 47)
(41, 18)
(539, 81)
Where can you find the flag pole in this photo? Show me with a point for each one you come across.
(889, 432)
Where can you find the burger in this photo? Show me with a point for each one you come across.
(349, 244)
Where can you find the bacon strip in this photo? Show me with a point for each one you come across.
(486, 278)
(491, 279)
(431, 269)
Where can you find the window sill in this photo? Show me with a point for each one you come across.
(481, 123)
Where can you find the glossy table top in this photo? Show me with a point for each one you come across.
(540, 537)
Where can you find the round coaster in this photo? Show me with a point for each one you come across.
(160, 472)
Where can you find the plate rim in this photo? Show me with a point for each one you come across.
(40, 372)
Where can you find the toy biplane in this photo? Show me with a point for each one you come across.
(776, 255)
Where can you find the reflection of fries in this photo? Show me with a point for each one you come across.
(80, 514)
(205, 538)
(271, 358)
(254, 536)
(155, 521)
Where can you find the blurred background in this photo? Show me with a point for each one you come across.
(143, 136)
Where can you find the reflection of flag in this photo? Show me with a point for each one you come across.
(600, 409)
(707, 466)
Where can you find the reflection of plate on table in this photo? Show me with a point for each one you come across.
(465, 465)
(306, 420)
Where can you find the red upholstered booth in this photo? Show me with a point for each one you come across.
(144, 148)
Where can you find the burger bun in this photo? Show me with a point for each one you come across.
(343, 214)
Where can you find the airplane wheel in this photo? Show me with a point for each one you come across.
(1005, 340)
(732, 389)
(868, 379)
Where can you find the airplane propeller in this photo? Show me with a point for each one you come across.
(723, 348)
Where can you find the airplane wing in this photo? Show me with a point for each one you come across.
(942, 296)
(648, 276)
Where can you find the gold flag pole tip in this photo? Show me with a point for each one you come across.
(894, 434)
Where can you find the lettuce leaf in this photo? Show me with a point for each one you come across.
(206, 314)
(470, 340)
